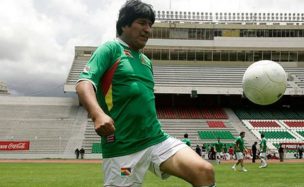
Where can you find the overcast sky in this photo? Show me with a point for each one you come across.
(37, 37)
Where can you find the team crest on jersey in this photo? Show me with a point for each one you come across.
(86, 69)
(110, 138)
(128, 53)
(125, 171)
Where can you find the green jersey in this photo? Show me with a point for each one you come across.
(239, 144)
(219, 147)
(263, 145)
(186, 141)
(225, 149)
(124, 85)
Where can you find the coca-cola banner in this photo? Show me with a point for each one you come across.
(14, 145)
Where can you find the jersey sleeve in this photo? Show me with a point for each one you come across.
(101, 60)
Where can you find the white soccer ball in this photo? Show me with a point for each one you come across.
(264, 82)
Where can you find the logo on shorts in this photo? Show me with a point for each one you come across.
(125, 171)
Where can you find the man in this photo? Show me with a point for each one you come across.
(239, 152)
(186, 140)
(300, 151)
(198, 150)
(225, 150)
(116, 87)
(81, 151)
(218, 149)
(77, 153)
(281, 153)
(254, 151)
(263, 150)
(231, 152)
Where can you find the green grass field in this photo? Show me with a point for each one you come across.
(89, 174)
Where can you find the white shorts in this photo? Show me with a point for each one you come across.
(218, 155)
(130, 170)
(239, 155)
(262, 155)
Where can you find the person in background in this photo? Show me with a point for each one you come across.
(117, 89)
(281, 153)
(218, 149)
(186, 140)
(77, 153)
(82, 151)
(198, 150)
(209, 151)
(213, 152)
(225, 150)
(204, 152)
(263, 151)
(300, 151)
(254, 151)
(240, 150)
(231, 152)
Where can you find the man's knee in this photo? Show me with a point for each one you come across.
(205, 175)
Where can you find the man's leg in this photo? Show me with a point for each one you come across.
(187, 165)
(242, 165)
(263, 160)
(236, 164)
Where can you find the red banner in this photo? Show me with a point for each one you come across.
(14, 145)
(291, 146)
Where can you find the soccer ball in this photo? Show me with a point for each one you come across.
(264, 82)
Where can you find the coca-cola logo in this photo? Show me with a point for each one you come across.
(16, 146)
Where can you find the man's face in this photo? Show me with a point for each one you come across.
(243, 135)
(136, 35)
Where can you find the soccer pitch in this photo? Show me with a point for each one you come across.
(89, 174)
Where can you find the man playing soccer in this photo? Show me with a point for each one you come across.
(263, 150)
(186, 140)
(116, 87)
(239, 151)
(218, 149)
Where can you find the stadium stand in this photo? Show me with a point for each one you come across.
(3, 89)
(216, 124)
(54, 127)
(285, 129)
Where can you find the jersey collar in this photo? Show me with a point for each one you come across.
(122, 42)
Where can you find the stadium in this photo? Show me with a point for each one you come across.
(199, 59)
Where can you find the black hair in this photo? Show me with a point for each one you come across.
(132, 10)
(186, 135)
(262, 135)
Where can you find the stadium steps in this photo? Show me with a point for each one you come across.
(237, 124)
(90, 137)
(178, 127)
(47, 123)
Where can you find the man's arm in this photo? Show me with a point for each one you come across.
(104, 124)
(237, 145)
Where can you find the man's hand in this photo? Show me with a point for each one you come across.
(104, 125)
(245, 151)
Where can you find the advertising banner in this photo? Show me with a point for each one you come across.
(14, 145)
